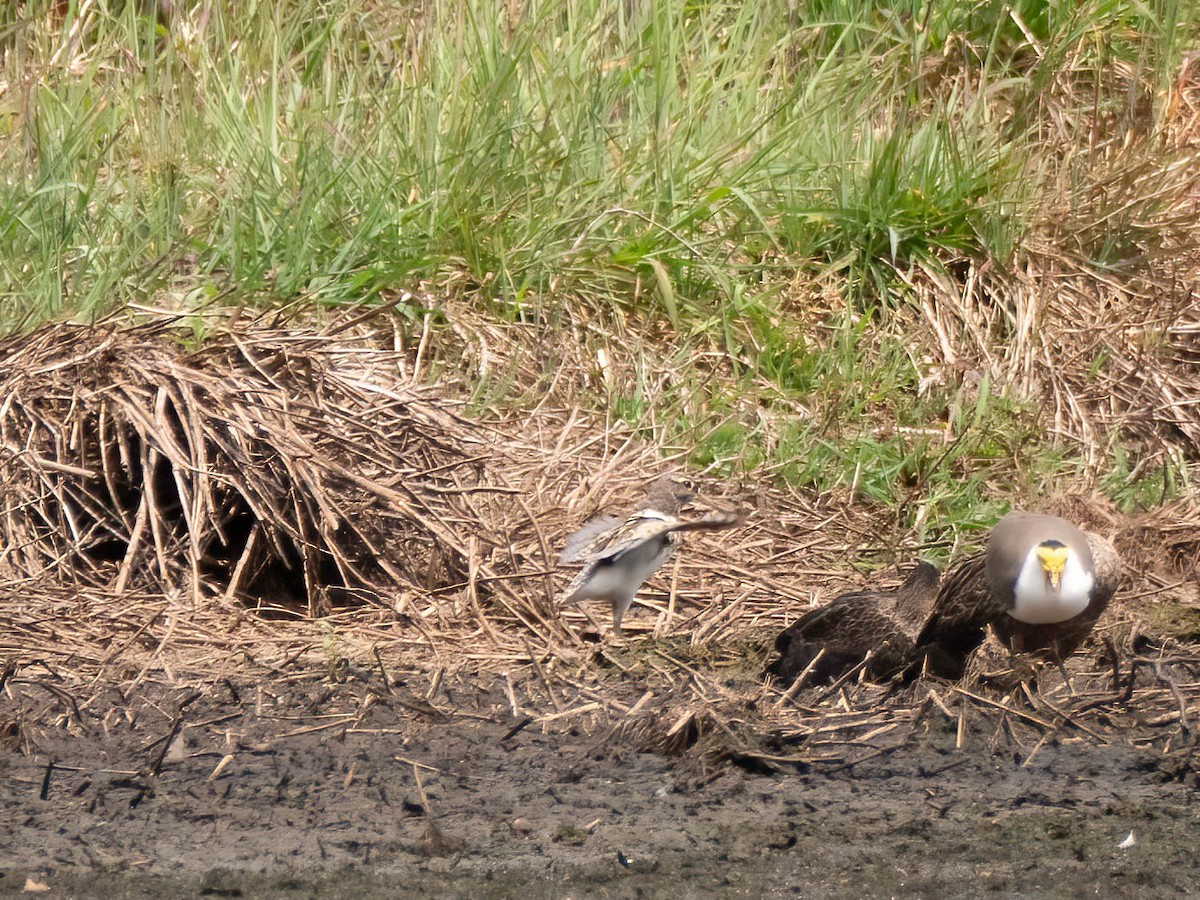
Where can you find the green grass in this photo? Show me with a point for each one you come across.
(856, 422)
(687, 163)
(320, 150)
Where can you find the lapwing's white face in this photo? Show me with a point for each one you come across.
(1053, 585)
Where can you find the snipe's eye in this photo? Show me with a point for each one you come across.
(686, 487)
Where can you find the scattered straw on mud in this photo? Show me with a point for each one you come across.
(283, 500)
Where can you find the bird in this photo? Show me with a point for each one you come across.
(1058, 640)
(884, 623)
(1041, 585)
(618, 555)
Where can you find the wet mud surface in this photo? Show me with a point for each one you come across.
(317, 789)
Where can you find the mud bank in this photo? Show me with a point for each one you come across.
(309, 794)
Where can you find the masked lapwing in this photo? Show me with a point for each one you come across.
(1041, 584)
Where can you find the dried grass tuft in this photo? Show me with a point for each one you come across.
(281, 466)
(1105, 358)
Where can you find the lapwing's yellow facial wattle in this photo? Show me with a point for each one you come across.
(1053, 557)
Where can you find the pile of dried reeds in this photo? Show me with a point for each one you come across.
(285, 466)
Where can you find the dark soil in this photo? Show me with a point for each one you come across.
(311, 788)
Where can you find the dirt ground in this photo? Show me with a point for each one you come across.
(323, 788)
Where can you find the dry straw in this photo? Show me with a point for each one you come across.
(285, 499)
